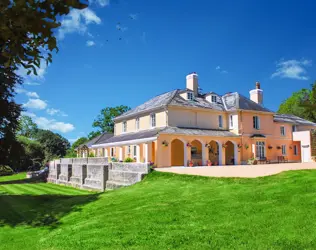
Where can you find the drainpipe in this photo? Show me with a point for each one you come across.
(242, 132)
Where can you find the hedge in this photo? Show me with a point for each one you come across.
(5, 170)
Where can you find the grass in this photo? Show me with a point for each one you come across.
(165, 211)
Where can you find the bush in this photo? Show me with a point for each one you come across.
(129, 159)
(5, 170)
(252, 161)
(91, 154)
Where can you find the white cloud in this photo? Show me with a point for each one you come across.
(28, 114)
(52, 111)
(29, 94)
(101, 3)
(90, 43)
(52, 124)
(35, 104)
(292, 69)
(77, 21)
(32, 94)
(32, 83)
(219, 69)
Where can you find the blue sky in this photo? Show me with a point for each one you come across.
(126, 52)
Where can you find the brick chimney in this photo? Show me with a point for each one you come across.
(192, 83)
(256, 94)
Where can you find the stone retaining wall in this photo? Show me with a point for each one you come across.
(95, 173)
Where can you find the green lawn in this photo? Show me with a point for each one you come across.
(165, 211)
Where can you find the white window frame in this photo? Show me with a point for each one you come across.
(137, 123)
(283, 148)
(124, 127)
(295, 149)
(190, 96)
(231, 121)
(294, 128)
(213, 98)
(282, 131)
(153, 120)
(256, 122)
(220, 121)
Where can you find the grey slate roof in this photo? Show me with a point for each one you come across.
(235, 101)
(228, 102)
(95, 140)
(154, 103)
(166, 130)
(132, 136)
(104, 137)
(197, 131)
(292, 119)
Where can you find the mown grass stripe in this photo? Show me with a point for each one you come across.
(68, 189)
(32, 189)
(54, 189)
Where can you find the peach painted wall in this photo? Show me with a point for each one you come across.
(164, 153)
(144, 123)
(182, 117)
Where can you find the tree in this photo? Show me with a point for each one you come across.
(34, 153)
(55, 145)
(27, 127)
(105, 121)
(93, 134)
(71, 153)
(26, 39)
(301, 103)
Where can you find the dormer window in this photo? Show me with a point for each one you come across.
(190, 96)
(213, 98)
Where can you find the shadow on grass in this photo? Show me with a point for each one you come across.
(39, 210)
(22, 181)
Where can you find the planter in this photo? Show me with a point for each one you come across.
(190, 164)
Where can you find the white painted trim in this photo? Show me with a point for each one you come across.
(126, 143)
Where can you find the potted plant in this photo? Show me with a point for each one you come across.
(291, 147)
(224, 145)
(270, 147)
(208, 163)
(165, 143)
(246, 146)
(313, 158)
(189, 145)
(252, 161)
(278, 147)
(190, 163)
(239, 145)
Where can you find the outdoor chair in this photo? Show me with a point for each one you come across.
(262, 160)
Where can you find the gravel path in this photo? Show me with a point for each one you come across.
(247, 171)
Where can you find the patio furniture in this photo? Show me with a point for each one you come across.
(262, 160)
(282, 159)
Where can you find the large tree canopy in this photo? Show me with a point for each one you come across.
(26, 39)
(27, 127)
(105, 121)
(302, 103)
(54, 144)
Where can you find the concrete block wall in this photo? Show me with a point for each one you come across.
(95, 173)
(125, 174)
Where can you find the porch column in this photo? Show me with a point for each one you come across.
(120, 153)
(145, 152)
(253, 148)
(106, 152)
(221, 156)
(185, 153)
(205, 154)
(137, 153)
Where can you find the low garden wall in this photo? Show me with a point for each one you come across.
(95, 173)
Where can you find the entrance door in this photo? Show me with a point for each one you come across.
(260, 149)
(305, 154)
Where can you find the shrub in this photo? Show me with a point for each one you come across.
(5, 170)
(113, 159)
(91, 154)
(252, 161)
(129, 159)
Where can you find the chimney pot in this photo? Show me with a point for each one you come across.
(257, 85)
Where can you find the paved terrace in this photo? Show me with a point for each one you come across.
(246, 171)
